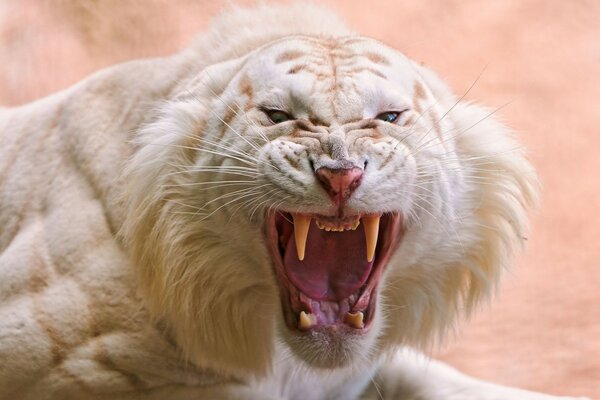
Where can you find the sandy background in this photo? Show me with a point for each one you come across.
(543, 330)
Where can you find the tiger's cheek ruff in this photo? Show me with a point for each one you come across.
(489, 225)
(195, 273)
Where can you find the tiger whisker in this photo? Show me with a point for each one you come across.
(248, 182)
(452, 107)
(235, 131)
(464, 94)
(227, 148)
(185, 205)
(205, 151)
(235, 192)
(249, 202)
(226, 204)
(425, 146)
(440, 223)
(259, 205)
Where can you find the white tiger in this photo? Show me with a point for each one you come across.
(293, 203)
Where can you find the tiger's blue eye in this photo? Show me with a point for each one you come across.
(277, 116)
(388, 116)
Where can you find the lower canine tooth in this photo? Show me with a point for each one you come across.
(355, 320)
(301, 225)
(306, 320)
(371, 225)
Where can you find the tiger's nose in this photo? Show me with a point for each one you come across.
(339, 183)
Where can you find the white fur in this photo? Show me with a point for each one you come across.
(464, 195)
(202, 165)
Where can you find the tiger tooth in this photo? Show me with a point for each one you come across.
(301, 225)
(371, 225)
(355, 320)
(306, 321)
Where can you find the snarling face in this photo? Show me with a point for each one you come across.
(330, 192)
(352, 134)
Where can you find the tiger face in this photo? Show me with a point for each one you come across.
(352, 141)
(330, 192)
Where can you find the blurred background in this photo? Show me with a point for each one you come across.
(542, 331)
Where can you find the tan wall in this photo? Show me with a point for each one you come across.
(543, 57)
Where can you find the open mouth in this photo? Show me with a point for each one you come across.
(328, 268)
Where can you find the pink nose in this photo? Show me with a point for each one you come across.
(339, 183)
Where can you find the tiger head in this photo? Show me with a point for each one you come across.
(327, 193)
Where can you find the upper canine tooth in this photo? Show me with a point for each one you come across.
(371, 225)
(301, 225)
(355, 320)
(306, 320)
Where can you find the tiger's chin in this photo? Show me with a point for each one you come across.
(328, 270)
(332, 346)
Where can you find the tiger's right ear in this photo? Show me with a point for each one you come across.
(211, 81)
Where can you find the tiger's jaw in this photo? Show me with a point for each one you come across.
(328, 270)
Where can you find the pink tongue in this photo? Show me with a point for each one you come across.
(335, 263)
